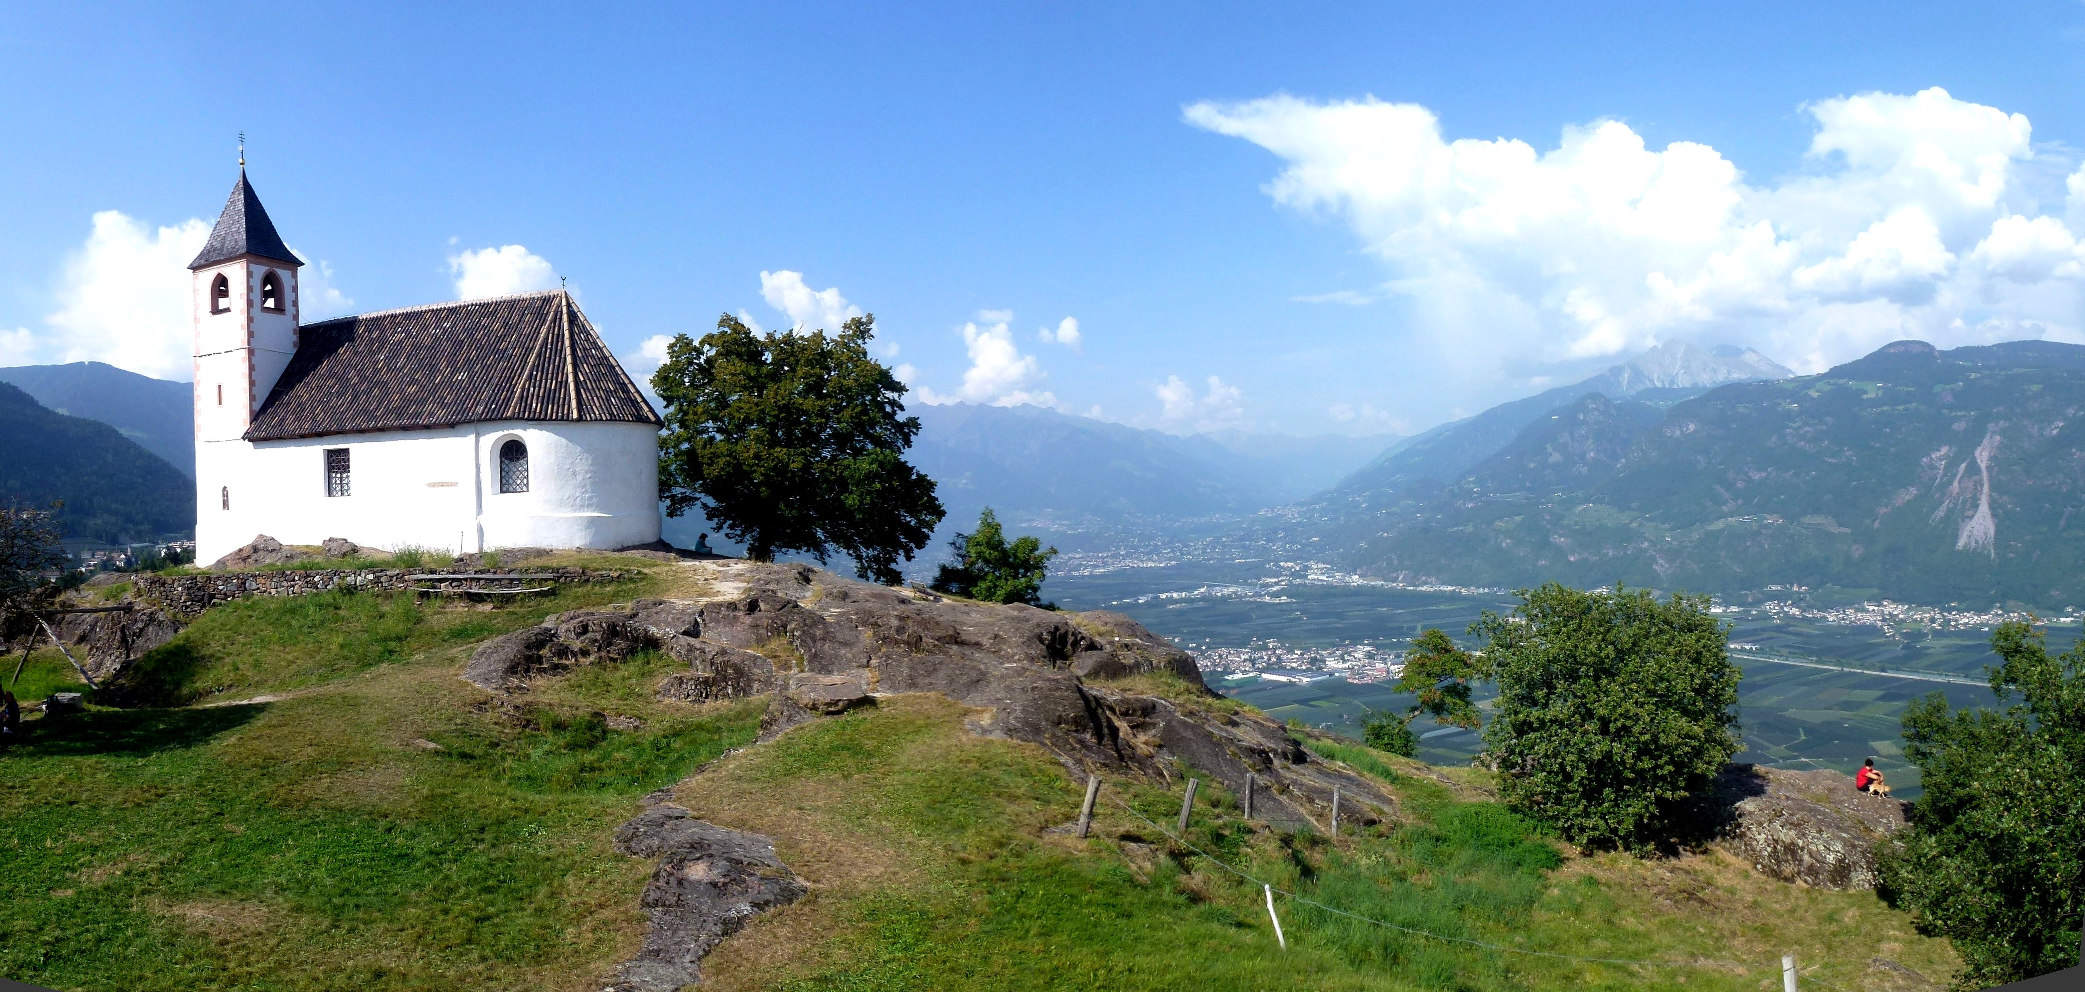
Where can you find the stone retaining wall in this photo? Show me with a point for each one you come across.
(189, 595)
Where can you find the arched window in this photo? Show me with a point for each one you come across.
(271, 292)
(513, 467)
(225, 496)
(220, 294)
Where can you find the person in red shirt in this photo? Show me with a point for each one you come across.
(1869, 780)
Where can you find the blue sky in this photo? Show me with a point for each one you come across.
(1243, 238)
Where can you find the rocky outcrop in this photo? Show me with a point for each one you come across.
(1804, 826)
(339, 547)
(709, 884)
(818, 644)
(111, 641)
(264, 550)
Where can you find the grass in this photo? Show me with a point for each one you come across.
(931, 869)
(377, 826)
(268, 644)
(377, 829)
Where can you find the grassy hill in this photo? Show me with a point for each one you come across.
(114, 491)
(331, 807)
(1911, 474)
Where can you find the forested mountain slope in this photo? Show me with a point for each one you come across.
(159, 415)
(114, 491)
(1909, 474)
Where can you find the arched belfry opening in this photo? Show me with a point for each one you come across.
(514, 466)
(220, 293)
(271, 291)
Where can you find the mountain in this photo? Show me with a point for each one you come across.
(1661, 376)
(1909, 474)
(114, 491)
(1057, 470)
(1062, 475)
(157, 414)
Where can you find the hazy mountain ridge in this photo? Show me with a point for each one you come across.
(1662, 376)
(1909, 474)
(1040, 467)
(157, 414)
(114, 490)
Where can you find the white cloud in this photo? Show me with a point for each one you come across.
(1218, 407)
(1065, 333)
(502, 271)
(1368, 416)
(999, 375)
(1601, 246)
(317, 297)
(124, 298)
(19, 347)
(815, 310)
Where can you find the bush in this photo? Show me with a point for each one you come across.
(988, 568)
(1386, 732)
(1615, 711)
(1995, 856)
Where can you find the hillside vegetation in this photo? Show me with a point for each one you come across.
(1910, 474)
(156, 413)
(114, 491)
(332, 807)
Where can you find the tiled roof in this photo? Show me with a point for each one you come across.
(243, 229)
(529, 357)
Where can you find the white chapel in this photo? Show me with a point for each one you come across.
(464, 427)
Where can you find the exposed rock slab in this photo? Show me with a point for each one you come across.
(113, 640)
(263, 550)
(709, 884)
(1804, 826)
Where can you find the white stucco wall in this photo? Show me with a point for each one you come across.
(592, 485)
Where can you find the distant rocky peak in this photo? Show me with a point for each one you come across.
(1680, 365)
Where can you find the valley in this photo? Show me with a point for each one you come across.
(1825, 682)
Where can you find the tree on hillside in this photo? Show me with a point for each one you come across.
(28, 548)
(1995, 856)
(794, 442)
(1441, 677)
(1615, 710)
(990, 569)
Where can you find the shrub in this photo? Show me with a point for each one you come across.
(1387, 732)
(990, 569)
(1995, 856)
(1615, 710)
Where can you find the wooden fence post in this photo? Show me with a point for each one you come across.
(1086, 809)
(1335, 811)
(1187, 804)
(1788, 973)
(1250, 781)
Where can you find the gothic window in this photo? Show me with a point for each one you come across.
(271, 292)
(220, 394)
(224, 495)
(513, 467)
(220, 294)
(336, 472)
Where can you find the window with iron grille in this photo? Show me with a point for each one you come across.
(513, 467)
(336, 472)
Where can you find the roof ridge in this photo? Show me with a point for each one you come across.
(447, 304)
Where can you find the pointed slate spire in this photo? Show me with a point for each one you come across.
(243, 229)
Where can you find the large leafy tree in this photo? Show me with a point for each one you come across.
(794, 442)
(987, 567)
(1615, 710)
(1995, 855)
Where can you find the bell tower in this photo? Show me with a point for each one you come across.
(244, 301)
